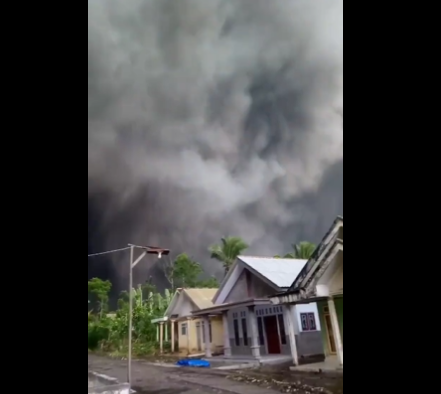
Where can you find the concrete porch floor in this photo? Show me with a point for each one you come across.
(330, 364)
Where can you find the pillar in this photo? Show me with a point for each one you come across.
(166, 332)
(157, 332)
(227, 345)
(207, 336)
(172, 328)
(188, 335)
(289, 311)
(336, 330)
(161, 333)
(255, 347)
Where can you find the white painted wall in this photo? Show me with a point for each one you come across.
(305, 308)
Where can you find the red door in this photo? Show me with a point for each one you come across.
(272, 334)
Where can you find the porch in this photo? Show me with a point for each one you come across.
(253, 331)
(236, 362)
(330, 364)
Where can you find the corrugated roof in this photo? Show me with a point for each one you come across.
(202, 298)
(282, 272)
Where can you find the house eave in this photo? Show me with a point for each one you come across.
(225, 307)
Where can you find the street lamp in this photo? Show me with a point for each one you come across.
(147, 250)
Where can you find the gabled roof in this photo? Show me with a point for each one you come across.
(201, 298)
(279, 271)
(313, 263)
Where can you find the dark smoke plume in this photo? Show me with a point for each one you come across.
(214, 117)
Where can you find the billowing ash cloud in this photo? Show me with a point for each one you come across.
(211, 118)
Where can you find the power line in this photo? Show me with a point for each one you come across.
(109, 251)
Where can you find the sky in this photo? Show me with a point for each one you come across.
(208, 119)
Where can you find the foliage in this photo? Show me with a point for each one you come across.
(302, 250)
(100, 290)
(110, 333)
(210, 283)
(227, 251)
(185, 272)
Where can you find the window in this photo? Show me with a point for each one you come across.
(260, 330)
(236, 332)
(311, 321)
(308, 321)
(184, 329)
(244, 331)
(282, 329)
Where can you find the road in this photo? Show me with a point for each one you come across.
(151, 379)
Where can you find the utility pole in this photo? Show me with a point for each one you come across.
(146, 250)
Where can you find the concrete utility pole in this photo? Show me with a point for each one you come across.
(146, 250)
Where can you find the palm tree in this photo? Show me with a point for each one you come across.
(302, 250)
(227, 251)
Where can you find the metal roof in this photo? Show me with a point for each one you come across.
(281, 272)
(202, 298)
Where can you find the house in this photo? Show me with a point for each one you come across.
(252, 326)
(321, 281)
(188, 332)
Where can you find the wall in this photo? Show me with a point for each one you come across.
(249, 285)
(217, 329)
(240, 289)
(321, 305)
(338, 301)
(336, 282)
(339, 308)
(308, 342)
(188, 343)
(306, 308)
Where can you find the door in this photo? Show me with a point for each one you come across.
(330, 334)
(198, 336)
(272, 334)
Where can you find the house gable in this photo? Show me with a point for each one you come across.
(228, 283)
(327, 246)
(330, 280)
(249, 285)
(182, 307)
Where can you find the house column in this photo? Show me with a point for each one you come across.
(290, 322)
(188, 335)
(336, 329)
(157, 332)
(206, 320)
(255, 348)
(172, 328)
(166, 332)
(227, 345)
(161, 333)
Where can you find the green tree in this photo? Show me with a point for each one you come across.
(210, 283)
(186, 271)
(100, 289)
(227, 251)
(302, 250)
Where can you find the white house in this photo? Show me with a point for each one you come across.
(252, 325)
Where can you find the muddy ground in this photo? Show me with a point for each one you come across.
(150, 379)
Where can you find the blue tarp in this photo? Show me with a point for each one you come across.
(193, 363)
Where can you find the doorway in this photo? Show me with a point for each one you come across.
(272, 334)
(330, 334)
